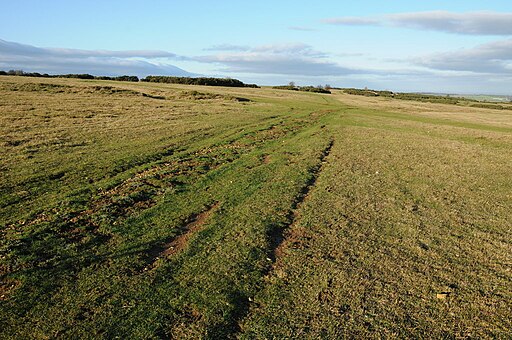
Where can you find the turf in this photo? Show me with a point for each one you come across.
(154, 210)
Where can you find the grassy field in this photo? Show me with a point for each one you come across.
(141, 210)
(490, 98)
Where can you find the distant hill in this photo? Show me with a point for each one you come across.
(30, 58)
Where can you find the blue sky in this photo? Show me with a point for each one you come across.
(437, 46)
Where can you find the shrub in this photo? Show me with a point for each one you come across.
(127, 78)
(318, 89)
(77, 76)
(229, 82)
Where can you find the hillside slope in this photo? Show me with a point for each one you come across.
(153, 211)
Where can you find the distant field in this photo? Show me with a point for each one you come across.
(147, 210)
(489, 98)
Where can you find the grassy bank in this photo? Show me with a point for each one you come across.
(155, 210)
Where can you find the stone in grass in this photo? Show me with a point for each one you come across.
(446, 291)
(442, 295)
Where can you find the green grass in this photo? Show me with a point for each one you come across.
(295, 214)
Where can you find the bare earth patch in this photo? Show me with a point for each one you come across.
(196, 224)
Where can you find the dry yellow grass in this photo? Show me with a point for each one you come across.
(431, 110)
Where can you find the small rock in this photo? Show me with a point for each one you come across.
(444, 293)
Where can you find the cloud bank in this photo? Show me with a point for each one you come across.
(471, 23)
(98, 62)
(487, 66)
(492, 58)
(276, 59)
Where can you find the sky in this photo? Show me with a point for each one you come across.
(415, 46)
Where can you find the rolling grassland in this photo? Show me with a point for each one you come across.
(147, 210)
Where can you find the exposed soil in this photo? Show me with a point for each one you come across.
(181, 241)
(194, 224)
(282, 237)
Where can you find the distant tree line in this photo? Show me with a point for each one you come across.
(446, 99)
(292, 87)
(76, 76)
(119, 78)
(229, 82)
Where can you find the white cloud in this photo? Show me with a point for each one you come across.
(99, 62)
(472, 23)
(227, 47)
(295, 49)
(484, 68)
(494, 57)
(276, 65)
(287, 59)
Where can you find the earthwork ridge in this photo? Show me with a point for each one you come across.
(281, 236)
